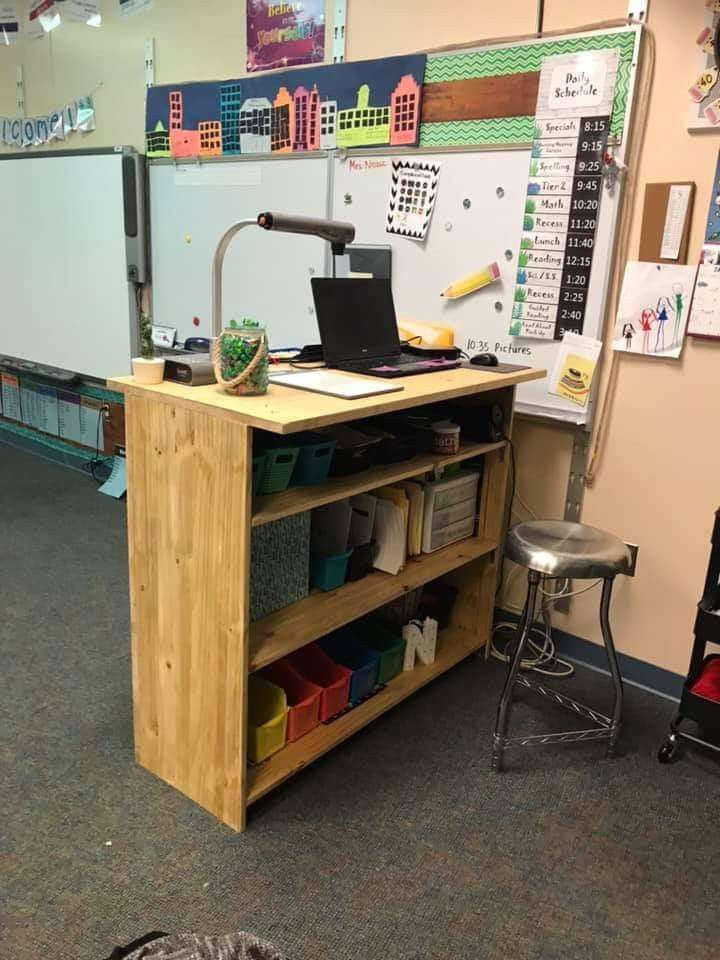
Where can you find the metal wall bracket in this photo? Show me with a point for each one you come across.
(339, 25)
(638, 10)
(575, 494)
(150, 62)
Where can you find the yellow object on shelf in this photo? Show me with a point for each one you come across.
(476, 281)
(267, 718)
(430, 335)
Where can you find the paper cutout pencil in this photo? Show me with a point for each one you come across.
(475, 281)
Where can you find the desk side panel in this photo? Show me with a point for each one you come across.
(189, 543)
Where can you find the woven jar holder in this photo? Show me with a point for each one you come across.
(239, 385)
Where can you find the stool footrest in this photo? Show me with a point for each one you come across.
(564, 701)
(570, 736)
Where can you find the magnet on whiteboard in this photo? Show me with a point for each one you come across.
(188, 238)
(448, 226)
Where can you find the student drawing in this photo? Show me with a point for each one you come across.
(678, 291)
(647, 318)
(662, 314)
(652, 295)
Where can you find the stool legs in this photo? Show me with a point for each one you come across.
(522, 637)
(613, 664)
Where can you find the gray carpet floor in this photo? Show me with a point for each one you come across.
(400, 845)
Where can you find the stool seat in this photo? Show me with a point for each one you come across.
(561, 548)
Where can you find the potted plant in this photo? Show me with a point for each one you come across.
(240, 358)
(147, 368)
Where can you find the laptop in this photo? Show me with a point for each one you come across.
(358, 329)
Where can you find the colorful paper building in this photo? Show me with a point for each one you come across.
(318, 108)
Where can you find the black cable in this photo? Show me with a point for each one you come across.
(97, 461)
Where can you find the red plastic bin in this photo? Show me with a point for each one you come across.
(315, 665)
(303, 698)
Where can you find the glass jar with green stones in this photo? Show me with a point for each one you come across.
(240, 356)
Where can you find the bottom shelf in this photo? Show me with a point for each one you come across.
(453, 646)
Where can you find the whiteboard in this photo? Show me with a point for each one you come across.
(477, 220)
(266, 275)
(66, 300)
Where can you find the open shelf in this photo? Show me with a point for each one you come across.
(453, 646)
(314, 616)
(298, 499)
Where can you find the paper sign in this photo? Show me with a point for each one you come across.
(46, 409)
(69, 416)
(653, 310)
(675, 217)
(704, 320)
(577, 84)
(42, 17)
(10, 396)
(574, 368)
(82, 11)
(91, 423)
(412, 198)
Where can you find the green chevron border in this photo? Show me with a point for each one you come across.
(444, 68)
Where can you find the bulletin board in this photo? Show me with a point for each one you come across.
(477, 123)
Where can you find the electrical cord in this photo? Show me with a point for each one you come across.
(97, 461)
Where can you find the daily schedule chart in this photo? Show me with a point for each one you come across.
(563, 194)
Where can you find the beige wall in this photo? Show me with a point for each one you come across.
(658, 479)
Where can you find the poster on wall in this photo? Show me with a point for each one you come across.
(361, 104)
(572, 123)
(80, 11)
(281, 34)
(653, 309)
(704, 91)
(9, 23)
(412, 197)
(704, 320)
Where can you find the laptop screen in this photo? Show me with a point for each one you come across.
(356, 319)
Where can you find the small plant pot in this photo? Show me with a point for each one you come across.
(150, 370)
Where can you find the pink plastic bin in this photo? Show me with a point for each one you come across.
(303, 698)
(317, 667)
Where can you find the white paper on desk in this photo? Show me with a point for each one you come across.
(334, 383)
(390, 535)
(675, 217)
(116, 483)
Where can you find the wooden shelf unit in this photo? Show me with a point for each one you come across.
(454, 645)
(319, 613)
(297, 499)
(190, 517)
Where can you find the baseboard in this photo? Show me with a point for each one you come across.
(638, 673)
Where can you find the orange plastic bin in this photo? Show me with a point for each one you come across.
(303, 697)
(315, 665)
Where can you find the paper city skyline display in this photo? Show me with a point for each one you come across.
(369, 103)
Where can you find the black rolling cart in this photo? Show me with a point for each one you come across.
(704, 711)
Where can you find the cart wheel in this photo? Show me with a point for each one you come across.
(668, 751)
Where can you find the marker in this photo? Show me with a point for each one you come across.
(476, 281)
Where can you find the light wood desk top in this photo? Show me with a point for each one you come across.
(287, 410)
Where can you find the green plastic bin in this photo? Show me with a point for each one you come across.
(389, 646)
(258, 474)
(279, 465)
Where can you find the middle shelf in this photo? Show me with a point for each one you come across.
(319, 613)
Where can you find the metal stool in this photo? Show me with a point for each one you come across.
(559, 549)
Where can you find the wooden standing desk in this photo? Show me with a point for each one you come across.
(190, 512)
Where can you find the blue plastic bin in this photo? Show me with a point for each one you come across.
(344, 648)
(328, 573)
(314, 459)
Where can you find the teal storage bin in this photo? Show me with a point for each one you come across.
(328, 573)
(314, 459)
(258, 474)
(279, 564)
(389, 646)
(279, 465)
(344, 648)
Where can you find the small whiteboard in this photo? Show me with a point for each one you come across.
(266, 276)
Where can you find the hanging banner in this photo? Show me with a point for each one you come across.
(9, 23)
(33, 131)
(281, 34)
(366, 103)
(81, 11)
(130, 7)
(42, 17)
